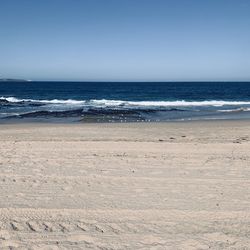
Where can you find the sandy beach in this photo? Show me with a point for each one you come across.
(125, 186)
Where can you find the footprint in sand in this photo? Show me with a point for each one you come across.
(193, 245)
(82, 238)
(45, 247)
(153, 241)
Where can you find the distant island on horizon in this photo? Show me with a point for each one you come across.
(13, 80)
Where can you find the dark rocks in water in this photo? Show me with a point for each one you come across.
(62, 114)
(102, 111)
(3, 101)
(90, 115)
(33, 104)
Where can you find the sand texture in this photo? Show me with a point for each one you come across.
(125, 186)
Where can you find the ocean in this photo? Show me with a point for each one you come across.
(35, 101)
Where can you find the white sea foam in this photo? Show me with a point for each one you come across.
(10, 99)
(113, 103)
(54, 101)
(181, 103)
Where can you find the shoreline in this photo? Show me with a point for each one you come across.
(19, 122)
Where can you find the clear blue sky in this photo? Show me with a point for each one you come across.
(161, 40)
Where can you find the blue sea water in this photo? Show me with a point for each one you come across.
(123, 101)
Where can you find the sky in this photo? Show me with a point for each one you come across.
(125, 40)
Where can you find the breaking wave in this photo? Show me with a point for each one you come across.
(116, 103)
(54, 101)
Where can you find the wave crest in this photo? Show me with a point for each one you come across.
(181, 103)
(53, 101)
(114, 103)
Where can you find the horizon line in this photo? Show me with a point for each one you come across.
(122, 81)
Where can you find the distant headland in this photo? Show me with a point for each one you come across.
(12, 80)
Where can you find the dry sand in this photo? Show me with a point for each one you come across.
(125, 186)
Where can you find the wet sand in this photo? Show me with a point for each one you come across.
(125, 186)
